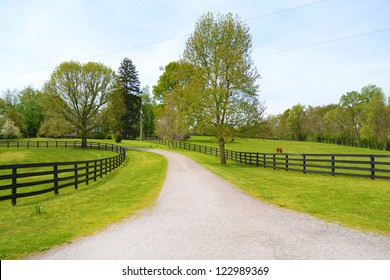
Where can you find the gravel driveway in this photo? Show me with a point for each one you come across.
(200, 216)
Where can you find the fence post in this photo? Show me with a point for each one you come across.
(94, 171)
(274, 161)
(55, 167)
(264, 161)
(76, 177)
(304, 164)
(333, 166)
(86, 173)
(14, 185)
(286, 162)
(372, 163)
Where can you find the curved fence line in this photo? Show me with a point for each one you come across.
(357, 165)
(23, 180)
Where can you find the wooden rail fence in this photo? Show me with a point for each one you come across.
(357, 165)
(23, 180)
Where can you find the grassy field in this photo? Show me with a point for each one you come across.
(39, 223)
(34, 155)
(40, 155)
(353, 202)
(291, 147)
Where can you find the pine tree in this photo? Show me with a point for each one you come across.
(129, 87)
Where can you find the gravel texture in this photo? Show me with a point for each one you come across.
(200, 216)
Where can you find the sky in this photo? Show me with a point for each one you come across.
(307, 52)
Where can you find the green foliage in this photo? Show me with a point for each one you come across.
(148, 113)
(128, 86)
(39, 210)
(31, 111)
(55, 128)
(220, 47)
(118, 137)
(179, 91)
(78, 92)
(9, 130)
(360, 119)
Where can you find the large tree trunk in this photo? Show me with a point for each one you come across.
(222, 156)
(84, 135)
(84, 140)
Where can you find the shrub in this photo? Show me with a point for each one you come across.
(118, 137)
(9, 130)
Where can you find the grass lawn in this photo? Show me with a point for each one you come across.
(39, 223)
(291, 147)
(354, 202)
(34, 155)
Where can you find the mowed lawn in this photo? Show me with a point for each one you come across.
(39, 223)
(354, 202)
(37, 155)
(291, 147)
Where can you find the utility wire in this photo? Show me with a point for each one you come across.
(159, 41)
(307, 46)
(324, 42)
(286, 10)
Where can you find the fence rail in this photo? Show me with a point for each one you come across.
(23, 180)
(358, 165)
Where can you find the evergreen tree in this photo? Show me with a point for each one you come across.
(129, 87)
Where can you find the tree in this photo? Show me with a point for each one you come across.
(55, 127)
(376, 129)
(177, 92)
(129, 88)
(296, 121)
(31, 111)
(354, 103)
(8, 106)
(221, 47)
(78, 92)
(148, 114)
(9, 130)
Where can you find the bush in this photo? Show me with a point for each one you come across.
(118, 137)
(9, 130)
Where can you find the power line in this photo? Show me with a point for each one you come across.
(323, 42)
(159, 41)
(311, 45)
(100, 55)
(286, 10)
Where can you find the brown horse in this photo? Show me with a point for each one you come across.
(279, 150)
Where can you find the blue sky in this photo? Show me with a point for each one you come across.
(307, 51)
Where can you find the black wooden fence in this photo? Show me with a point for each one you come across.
(23, 180)
(358, 165)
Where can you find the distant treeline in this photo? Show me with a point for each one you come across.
(359, 119)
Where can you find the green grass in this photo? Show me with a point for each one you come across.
(39, 223)
(35, 155)
(354, 202)
(292, 147)
(40, 155)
